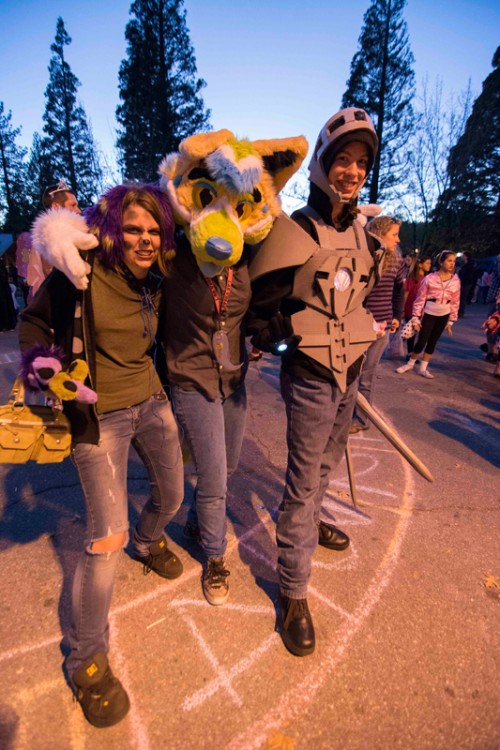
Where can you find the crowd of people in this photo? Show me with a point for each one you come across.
(164, 340)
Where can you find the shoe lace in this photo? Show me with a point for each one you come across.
(217, 573)
(297, 607)
(148, 565)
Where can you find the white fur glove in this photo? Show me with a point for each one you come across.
(368, 211)
(58, 235)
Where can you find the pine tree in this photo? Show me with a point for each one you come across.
(39, 174)
(467, 212)
(13, 201)
(382, 82)
(158, 86)
(68, 144)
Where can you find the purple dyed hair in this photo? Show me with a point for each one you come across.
(105, 220)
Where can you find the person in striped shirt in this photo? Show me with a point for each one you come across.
(386, 304)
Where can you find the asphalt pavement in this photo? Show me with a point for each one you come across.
(407, 619)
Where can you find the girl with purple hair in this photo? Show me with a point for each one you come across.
(113, 325)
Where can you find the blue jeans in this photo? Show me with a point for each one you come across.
(318, 421)
(151, 428)
(366, 381)
(214, 433)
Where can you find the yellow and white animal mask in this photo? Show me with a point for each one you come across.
(224, 191)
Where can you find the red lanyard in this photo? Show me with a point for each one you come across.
(221, 306)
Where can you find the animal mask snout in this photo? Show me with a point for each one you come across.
(218, 248)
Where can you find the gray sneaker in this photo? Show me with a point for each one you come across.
(214, 581)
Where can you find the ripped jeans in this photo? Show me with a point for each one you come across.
(151, 428)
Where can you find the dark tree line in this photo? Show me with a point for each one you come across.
(158, 87)
(438, 165)
(160, 105)
(382, 81)
(467, 214)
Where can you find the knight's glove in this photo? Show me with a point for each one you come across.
(278, 337)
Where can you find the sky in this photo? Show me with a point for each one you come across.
(273, 68)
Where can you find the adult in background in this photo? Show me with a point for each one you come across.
(467, 276)
(386, 303)
(310, 278)
(494, 288)
(435, 308)
(8, 316)
(483, 286)
(54, 196)
(119, 314)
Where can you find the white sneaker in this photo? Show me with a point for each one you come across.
(426, 374)
(404, 368)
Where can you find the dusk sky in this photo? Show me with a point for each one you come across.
(273, 68)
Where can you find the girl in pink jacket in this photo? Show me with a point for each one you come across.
(435, 308)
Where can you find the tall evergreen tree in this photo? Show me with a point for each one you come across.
(467, 212)
(13, 201)
(68, 144)
(39, 174)
(382, 81)
(158, 86)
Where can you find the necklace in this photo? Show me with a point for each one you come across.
(445, 282)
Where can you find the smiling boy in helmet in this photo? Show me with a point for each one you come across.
(310, 278)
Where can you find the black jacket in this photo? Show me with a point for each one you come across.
(50, 319)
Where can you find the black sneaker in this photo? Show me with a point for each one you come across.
(214, 581)
(161, 560)
(297, 629)
(102, 697)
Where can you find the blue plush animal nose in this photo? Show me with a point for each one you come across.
(218, 248)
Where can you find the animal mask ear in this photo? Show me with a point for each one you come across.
(198, 146)
(282, 157)
(224, 191)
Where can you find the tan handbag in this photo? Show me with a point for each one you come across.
(32, 432)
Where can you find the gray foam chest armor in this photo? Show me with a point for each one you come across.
(335, 327)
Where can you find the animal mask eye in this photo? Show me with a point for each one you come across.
(244, 209)
(203, 194)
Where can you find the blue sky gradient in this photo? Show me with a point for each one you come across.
(273, 69)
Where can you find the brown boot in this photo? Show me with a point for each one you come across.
(102, 697)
